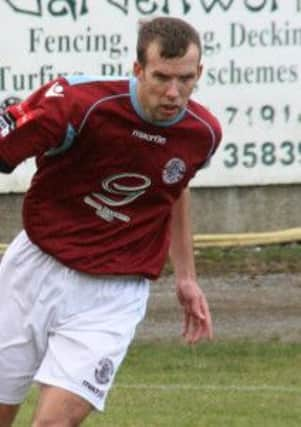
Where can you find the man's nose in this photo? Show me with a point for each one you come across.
(172, 90)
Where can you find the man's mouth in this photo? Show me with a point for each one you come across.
(170, 109)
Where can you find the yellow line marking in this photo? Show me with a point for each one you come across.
(236, 239)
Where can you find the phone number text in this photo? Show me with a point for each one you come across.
(265, 113)
(251, 154)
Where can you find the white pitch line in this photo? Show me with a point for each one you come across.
(235, 388)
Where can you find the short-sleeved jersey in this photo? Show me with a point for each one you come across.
(100, 201)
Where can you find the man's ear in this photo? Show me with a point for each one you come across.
(200, 70)
(137, 69)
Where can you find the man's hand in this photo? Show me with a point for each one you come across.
(197, 318)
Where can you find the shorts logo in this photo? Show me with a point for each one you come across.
(104, 371)
(99, 393)
(173, 171)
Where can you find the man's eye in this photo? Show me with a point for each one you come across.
(185, 79)
(162, 78)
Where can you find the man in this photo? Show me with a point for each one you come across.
(108, 201)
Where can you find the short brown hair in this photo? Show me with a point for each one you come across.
(173, 35)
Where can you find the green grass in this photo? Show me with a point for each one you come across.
(257, 260)
(234, 384)
(284, 258)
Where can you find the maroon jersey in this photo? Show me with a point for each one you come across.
(100, 201)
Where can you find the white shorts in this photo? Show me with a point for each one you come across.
(61, 327)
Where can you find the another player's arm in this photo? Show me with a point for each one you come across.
(197, 318)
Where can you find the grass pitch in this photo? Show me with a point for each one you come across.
(219, 384)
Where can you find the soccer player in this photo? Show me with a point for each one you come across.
(107, 204)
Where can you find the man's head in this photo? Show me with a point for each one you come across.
(167, 66)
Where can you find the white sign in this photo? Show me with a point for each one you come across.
(250, 81)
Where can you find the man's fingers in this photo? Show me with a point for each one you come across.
(197, 326)
(207, 318)
(191, 312)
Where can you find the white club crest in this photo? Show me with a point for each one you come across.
(174, 171)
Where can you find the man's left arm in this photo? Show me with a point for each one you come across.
(197, 318)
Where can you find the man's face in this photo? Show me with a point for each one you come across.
(165, 84)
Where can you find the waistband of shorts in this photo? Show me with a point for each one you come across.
(135, 277)
(121, 277)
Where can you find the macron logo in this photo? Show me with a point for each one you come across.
(156, 139)
(55, 90)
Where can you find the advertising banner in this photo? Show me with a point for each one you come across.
(251, 77)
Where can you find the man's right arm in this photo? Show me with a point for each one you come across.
(34, 126)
